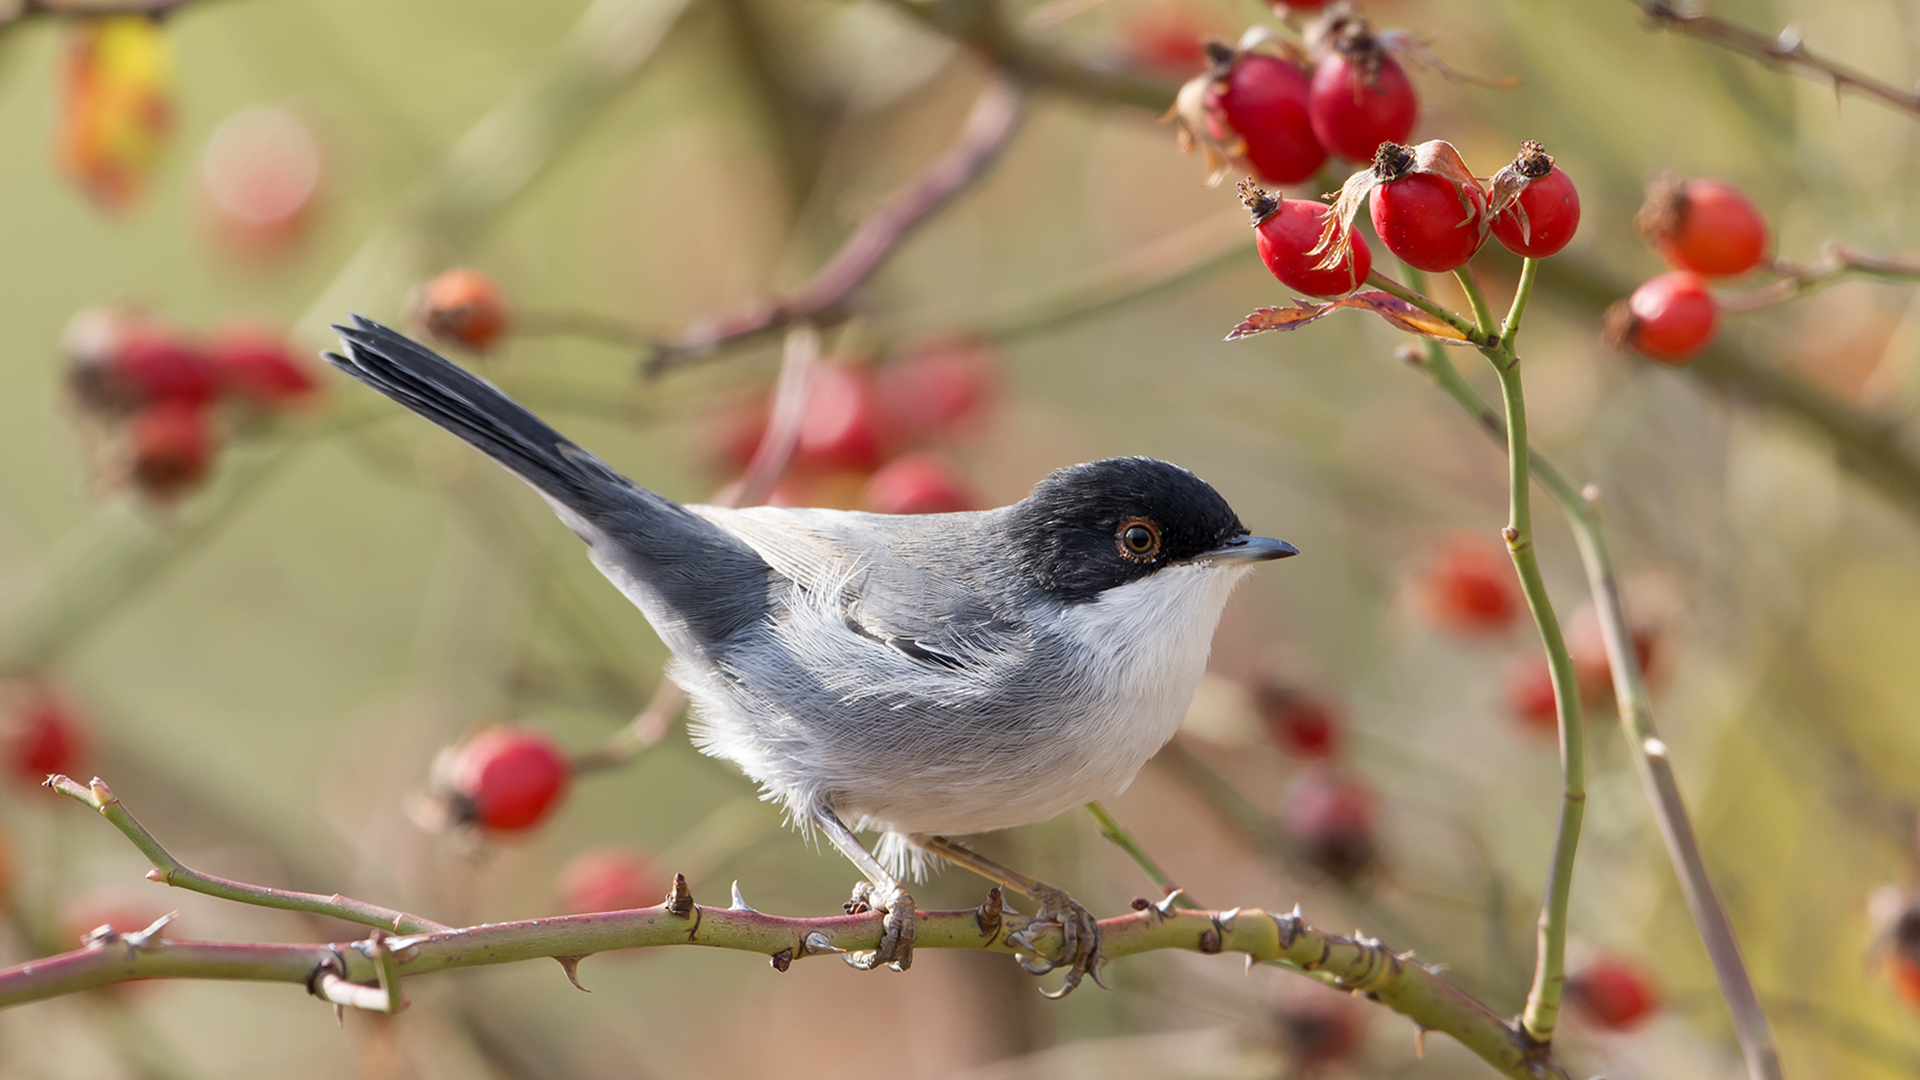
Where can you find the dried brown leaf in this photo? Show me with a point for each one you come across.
(1399, 313)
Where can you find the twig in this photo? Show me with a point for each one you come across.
(367, 974)
(979, 25)
(168, 871)
(1636, 721)
(1127, 842)
(575, 322)
(994, 117)
(1799, 279)
(1549, 974)
(1785, 50)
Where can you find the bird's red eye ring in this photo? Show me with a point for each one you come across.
(1138, 539)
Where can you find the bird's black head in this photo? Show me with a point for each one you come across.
(1089, 528)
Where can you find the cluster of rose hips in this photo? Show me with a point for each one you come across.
(1332, 816)
(1279, 110)
(868, 432)
(1426, 207)
(1704, 229)
(158, 390)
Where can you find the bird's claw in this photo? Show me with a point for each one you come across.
(1080, 945)
(896, 942)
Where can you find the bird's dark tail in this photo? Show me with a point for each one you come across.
(687, 574)
(474, 409)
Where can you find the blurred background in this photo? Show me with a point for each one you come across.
(262, 611)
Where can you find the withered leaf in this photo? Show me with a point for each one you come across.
(1402, 315)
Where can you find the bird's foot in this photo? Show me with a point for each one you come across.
(896, 944)
(1080, 949)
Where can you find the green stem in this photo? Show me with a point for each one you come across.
(1529, 269)
(1475, 334)
(1125, 841)
(1482, 314)
(168, 870)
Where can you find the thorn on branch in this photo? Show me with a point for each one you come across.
(571, 965)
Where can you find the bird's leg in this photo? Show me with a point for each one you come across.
(1080, 928)
(880, 892)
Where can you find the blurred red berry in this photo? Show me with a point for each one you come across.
(918, 484)
(935, 390)
(1334, 820)
(1614, 994)
(119, 361)
(1299, 723)
(1667, 319)
(463, 306)
(1546, 215)
(1530, 694)
(841, 428)
(259, 178)
(1319, 1026)
(1287, 232)
(1591, 664)
(1263, 100)
(1165, 38)
(257, 366)
(610, 879)
(42, 734)
(1469, 588)
(1903, 953)
(169, 448)
(1706, 226)
(1428, 220)
(1903, 971)
(507, 779)
(1360, 97)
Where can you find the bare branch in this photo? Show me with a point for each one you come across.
(993, 120)
(1784, 50)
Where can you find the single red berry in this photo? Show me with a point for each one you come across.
(1613, 993)
(255, 365)
(1903, 971)
(1264, 102)
(1429, 221)
(918, 484)
(507, 779)
(1591, 664)
(170, 449)
(610, 879)
(841, 428)
(1319, 1026)
(121, 361)
(1530, 694)
(42, 735)
(1298, 723)
(1334, 820)
(1544, 218)
(1166, 38)
(464, 306)
(1360, 97)
(1667, 319)
(1469, 588)
(937, 389)
(1903, 954)
(1287, 232)
(1706, 226)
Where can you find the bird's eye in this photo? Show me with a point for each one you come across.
(1138, 539)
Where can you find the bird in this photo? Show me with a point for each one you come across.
(919, 676)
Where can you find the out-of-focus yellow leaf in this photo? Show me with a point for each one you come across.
(116, 106)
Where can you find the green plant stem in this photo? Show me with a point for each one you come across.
(1475, 334)
(1636, 723)
(168, 871)
(1125, 841)
(1549, 974)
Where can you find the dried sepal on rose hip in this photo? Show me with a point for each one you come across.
(1291, 235)
(1250, 107)
(1707, 226)
(1427, 207)
(1532, 206)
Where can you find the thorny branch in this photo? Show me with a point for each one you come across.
(368, 974)
(1785, 50)
(994, 117)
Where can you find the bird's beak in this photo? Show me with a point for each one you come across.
(1248, 549)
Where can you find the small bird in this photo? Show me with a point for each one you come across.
(921, 676)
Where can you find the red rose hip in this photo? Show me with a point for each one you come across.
(610, 879)
(1287, 232)
(1544, 218)
(1431, 222)
(255, 365)
(1263, 100)
(1360, 97)
(1667, 319)
(170, 447)
(1613, 994)
(1298, 723)
(917, 484)
(42, 735)
(1333, 819)
(1707, 226)
(507, 779)
(464, 306)
(1469, 588)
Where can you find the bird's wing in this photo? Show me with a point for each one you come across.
(886, 575)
